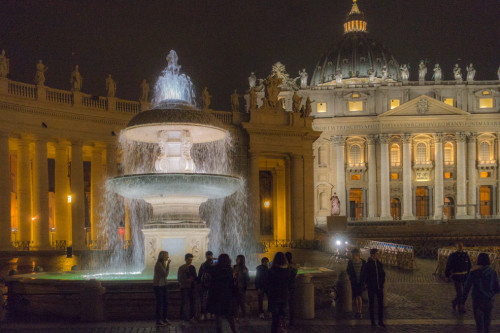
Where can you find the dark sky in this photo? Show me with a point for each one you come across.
(219, 42)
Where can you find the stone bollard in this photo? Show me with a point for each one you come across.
(92, 301)
(343, 299)
(304, 297)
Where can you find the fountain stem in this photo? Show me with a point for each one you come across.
(175, 154)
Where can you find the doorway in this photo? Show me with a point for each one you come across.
(396, 209)
(422, 202)
(356, 204)
(485, 204)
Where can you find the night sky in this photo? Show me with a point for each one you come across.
(220, 42)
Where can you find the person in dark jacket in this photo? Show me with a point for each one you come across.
(222, 293)
(356, 270)
(241, 277)
(279, 289)
(162, 268)
(186, 275)
(375, 279)
(484, 283)
(204, 281)
(457, 267)
(261, 284)
(294, 269)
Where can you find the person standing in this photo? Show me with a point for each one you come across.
(294, 269)
(204, 281)
(262, 284)
(484, 283)
(279, 280)
(162, 268)
(457, 268)
(241, 277)
(222, 292)
(375, 279)
(356, 270)
(186, 275)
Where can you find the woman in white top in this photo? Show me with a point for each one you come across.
(160, 285)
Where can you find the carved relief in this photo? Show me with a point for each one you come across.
(422, 106)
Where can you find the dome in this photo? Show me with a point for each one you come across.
(355, 55)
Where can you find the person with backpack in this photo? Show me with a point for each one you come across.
(261, 284)
(241, 278)
(204, 281)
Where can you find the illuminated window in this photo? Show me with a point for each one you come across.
(421, 152)
(394, 103)
(484, 151)
(448, 153)
(485, 103)
(355, 177)
(485, 174)
(448, 175)
(394, 175)
(395, 159)
(355, 105)
(449, 101)
(486, 92)
(355, 155)
(355, 95)
(321, 107)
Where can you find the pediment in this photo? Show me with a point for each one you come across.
(423, 106)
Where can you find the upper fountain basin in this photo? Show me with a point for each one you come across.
(149, 185)
(174, 115)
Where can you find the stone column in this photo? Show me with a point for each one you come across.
(41, 237)
(372, 178)
(63, 221)
(96, 192)
(407, 179)
(308, 179)
(471, 147)
(24, 190)
(297, 174)
(461, 181)
(385, 191)
(339, 142)
(254, 185)
(438, 176)
(77, 198)
(5, 220)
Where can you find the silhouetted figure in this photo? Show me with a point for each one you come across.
(457, 268)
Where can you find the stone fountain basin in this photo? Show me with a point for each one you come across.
(150, 185)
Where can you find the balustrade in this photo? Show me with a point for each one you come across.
(128, 106)
(95, 102)
(224, 117)
(59, 96)
(22, 89)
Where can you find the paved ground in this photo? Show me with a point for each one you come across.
(417, 302)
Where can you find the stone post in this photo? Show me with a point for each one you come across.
(96, 191)
(5, 220)
(461, 211)
(343, 300)
(372, 178)
(471, 147)
(385, 193)
(24, 190)
(92, 301)
(254, 185)
(438, 176)
(111, 104)
(407, 179)
(297, 192)
(77, 98)
(63, 222)
(41, 236)
(304, 297)
(339, 142)
(77, 198)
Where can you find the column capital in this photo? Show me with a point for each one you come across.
(461, 136)
(472, 136)
(338, 140)
(406, 137)
(77, 143)
(438, 137)
(372, 139)
(384, 138)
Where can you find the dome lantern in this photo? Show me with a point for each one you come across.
(355, 20)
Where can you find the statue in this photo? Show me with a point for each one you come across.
(253, 98)
(422, 71)
(335, 209)
(40, 73)
(338, 76)
(438, 74)
(235, 101)
(206, 99)
(385, 73)
(144, 91)
(278, 70)
(252, 80)
(405, 73)
(272, 84)
(371, 75)
(303, 78)
(457, 73)
(110, 86)
(76, 80)
(4, 65)
(296, 102)
(308, 110)
(471, 72)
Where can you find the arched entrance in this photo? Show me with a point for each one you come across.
(396, 209)
(356, 204)
(449, 208)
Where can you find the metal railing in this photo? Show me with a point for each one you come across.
(22, 245)
(59, 244)
(391, 254)
(294, 244)
(492, 251)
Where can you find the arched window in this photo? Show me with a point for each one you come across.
(355, 155)
(484, 151)
(395, 158)
(421, 152)
(449, 158)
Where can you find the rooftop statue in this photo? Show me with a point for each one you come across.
(252, 80)
(338, 76)
(371, 74)
(253, 99)
(438, 74)
(303, 78)
(308, 110)
(498, 73)
(272, 84)
(4, 65)
(76, 80)
(110, 86)
(385, 73)
(457, 73)
(235, 101)
(471, 72)
(206, 99)
(405, 73)
(296, 102)
(40, 73)
(422, 71)
(144, 91)
(279, 70)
